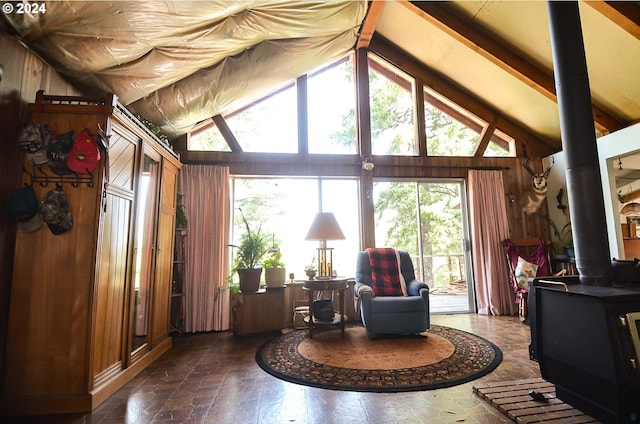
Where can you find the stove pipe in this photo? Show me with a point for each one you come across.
(584, 186)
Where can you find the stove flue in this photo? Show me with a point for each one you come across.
(585, 330)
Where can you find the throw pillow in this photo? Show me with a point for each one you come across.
(524, 271)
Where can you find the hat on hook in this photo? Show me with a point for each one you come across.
(84, 155)
(58, 152)
(34, 139)
(54, 210)
(23, 207)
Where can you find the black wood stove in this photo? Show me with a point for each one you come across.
(587, 342)
(585, 330)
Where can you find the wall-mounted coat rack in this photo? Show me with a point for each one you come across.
(38, 175)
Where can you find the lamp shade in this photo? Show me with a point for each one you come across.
(325, 227)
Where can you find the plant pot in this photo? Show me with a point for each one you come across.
(249, 279)
(569, 251)
(275, 277)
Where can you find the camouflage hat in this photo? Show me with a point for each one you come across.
(54, 210)
(34, 139)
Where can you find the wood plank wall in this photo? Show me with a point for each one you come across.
(24, 74)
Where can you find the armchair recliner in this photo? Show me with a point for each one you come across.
(391, 314)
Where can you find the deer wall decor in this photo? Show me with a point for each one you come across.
(531, 199)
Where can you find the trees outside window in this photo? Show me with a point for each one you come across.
(269, 125)
(392, 110)
(424, 218)
(331, 108)
(284, 209)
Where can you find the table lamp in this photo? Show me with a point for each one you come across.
(325, 227)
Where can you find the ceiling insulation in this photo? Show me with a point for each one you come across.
(179, 62)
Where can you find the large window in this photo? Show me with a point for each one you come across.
(208, 139)
(501, 144)
(270, 125)
(392, 109)
(331, 108)
(451, 131)
(285, 209)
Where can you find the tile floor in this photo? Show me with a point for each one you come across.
(213, 378)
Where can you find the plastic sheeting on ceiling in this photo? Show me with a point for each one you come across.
(179, 62)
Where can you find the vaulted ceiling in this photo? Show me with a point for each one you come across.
(179, 62)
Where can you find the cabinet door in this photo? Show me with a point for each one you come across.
(164, 256)
(147, 192)
(114, 250)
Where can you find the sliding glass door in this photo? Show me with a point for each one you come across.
(428, 219)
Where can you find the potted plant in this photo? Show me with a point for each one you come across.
(563, 236)
(181, 218)
(274, 268)
(311, 271)
(249, 254)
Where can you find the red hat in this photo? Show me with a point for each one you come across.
(84, 155)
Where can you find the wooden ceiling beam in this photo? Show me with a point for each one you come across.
(395, 55)
(485, 138)
(624, 14)
(498, 52)
(368, 27)
(227, 134)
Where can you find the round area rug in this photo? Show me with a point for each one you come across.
(440, 357)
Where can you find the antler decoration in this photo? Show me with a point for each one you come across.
(531, 199)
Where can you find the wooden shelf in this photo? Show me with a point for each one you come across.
(176, 319)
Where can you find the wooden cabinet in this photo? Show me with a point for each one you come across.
(89, 308)
(258, 312)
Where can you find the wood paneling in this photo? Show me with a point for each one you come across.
(24, 74)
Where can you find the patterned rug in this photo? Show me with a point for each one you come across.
(440, 357)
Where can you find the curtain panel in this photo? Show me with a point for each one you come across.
(489, 227)
(206, 200)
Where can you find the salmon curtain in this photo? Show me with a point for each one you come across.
(206, 203)
(489, 227)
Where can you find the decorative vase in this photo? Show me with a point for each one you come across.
(310, 274)
(274, 277)
(249, 280)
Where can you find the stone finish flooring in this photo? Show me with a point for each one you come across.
(213, 378)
